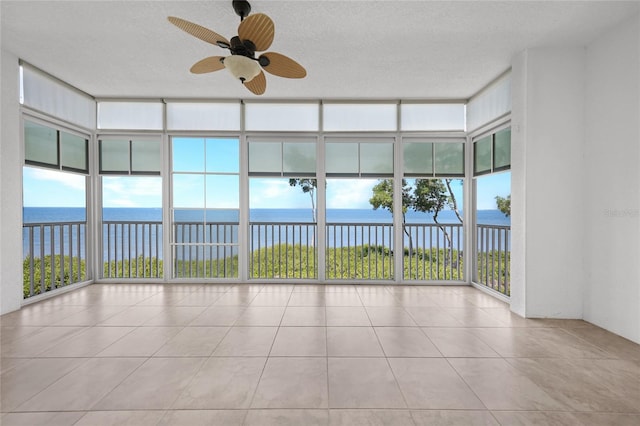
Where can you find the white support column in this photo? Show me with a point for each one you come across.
(11, 160)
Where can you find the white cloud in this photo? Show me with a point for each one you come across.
(131, 191)
(349, 193)
(70, 180)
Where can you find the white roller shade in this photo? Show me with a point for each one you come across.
(130, 115)
(491, 103)
(46, 94)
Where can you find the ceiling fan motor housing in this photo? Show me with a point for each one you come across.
(242, 8)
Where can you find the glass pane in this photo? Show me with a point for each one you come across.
(432, 116)
(299, 158)
(188, 191)
(130, 115)
(203, 116)
(482, 156)
(188, 154)
(40, 144)
(121, 193)
(360, 117)
(73, 150)
(225, 216)
(265, 157)
(502, 149)
(223, 155)
(449, 159)
(45, 188)
(376, 159)
(223, 191)
(145, 156)
(114, 156)
(418, 158)
(341, 158)
(282, 116)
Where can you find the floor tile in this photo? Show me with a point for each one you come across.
(370, 418)
(307, 299)
(585, 384)
(92, 316)
(293, 383)
(41, 419)
(599, 419)
(133, 316)
(405, 342)
(363, 383)
(271, 298)
(502, 387)
(235, 299)
(121, 418)
(35, 344)
(347, 316)
(305, 316)
(531, 418)
(154, 385)
(287, 418)
(432, 317)
(454, 418)
(81, 388)
(382, 316)
(342, 299)
(261, 315)
(300, 341)
(459, 343)
(203, 418)
(222, 383)
(143, 341)
(219, 316)
(175, 316)
(88, 343)
(353, 341)
(473, 317)
(613, 344)
(432, 383)
(247, 341)
(193, 341)
(28, 379)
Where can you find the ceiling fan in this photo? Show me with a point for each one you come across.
(255, 34)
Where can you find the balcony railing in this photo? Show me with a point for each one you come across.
(283, 250)
(54, 256)
(493, 257)
(132, 249)
(362, 251)
(433, 252)
(205, 250)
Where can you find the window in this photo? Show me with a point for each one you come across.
(275, 158)
(130, 155)
(492, 153)
(432, 157)
(366, 157)
(50, 147)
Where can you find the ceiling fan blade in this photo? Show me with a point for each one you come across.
(258, 28)
(258, 84)
(283, 66)
(199, 31)
(210, 64)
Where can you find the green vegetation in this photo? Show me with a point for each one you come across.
(60, 278)
(140, 267)
(504, 204)
(494, 270)
(290, 261)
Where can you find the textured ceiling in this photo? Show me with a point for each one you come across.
(351, 49)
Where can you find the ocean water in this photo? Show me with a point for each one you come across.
(346, 235)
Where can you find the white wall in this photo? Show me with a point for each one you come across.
(612, 181)
(10, 187)
(548, 122)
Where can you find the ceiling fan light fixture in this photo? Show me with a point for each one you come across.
(242, 68)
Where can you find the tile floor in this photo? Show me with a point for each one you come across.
(307, 355)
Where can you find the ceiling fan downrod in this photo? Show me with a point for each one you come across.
(242, 8)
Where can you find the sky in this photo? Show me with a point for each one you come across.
(49, 188)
